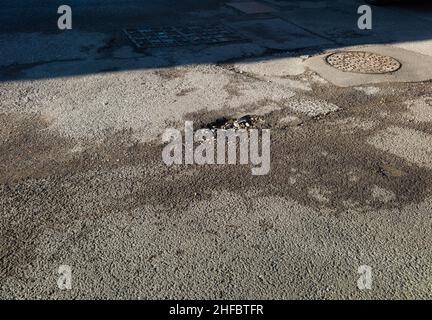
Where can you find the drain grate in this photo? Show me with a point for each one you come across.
(363, 62)
(174, 36)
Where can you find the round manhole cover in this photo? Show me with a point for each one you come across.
(363, 62)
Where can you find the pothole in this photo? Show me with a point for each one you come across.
(363, 62)
(244, 122)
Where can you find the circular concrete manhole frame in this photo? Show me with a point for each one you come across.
(363, 62)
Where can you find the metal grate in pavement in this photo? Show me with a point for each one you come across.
(174, 36)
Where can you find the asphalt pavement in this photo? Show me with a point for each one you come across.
(83, 184)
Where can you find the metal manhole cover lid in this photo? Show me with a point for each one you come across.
(363, 62)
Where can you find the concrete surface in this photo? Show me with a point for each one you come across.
(277, 67)
(415, 67)
(82, 182)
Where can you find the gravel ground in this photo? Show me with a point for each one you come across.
(82, 182)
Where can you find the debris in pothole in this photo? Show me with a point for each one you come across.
(219, 123)
(244, 122)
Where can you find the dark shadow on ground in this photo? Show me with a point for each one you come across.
(32, 47)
